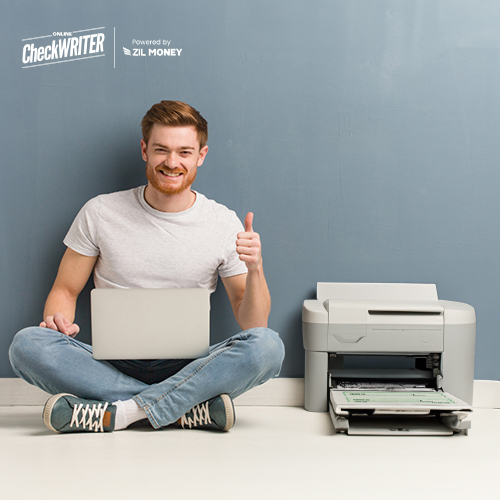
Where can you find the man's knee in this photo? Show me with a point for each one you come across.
(269, 350)
(24, 347)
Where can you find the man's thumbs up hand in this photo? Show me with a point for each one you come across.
(248, 245)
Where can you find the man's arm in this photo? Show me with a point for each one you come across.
(74, 272)
(248, 293)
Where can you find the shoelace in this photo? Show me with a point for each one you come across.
(91, 417)
(200, 415)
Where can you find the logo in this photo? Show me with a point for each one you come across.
(68, 46)
(64, 47)
(163, 51)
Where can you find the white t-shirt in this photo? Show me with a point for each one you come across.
(140, 247)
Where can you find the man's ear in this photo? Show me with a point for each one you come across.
(143, 150)
(201, 157)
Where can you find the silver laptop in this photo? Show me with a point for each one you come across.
(150, 323)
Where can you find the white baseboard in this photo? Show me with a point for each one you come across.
(17, 392)
(486, 394)
(276, 392)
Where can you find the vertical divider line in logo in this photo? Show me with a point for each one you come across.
(114, 50)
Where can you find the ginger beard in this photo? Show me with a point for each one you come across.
(159, 179)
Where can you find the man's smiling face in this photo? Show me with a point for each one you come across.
(172, 157)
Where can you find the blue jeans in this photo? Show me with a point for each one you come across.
(57, 363)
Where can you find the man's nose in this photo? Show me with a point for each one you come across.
(172, 160)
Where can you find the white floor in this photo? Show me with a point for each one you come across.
(272, 452)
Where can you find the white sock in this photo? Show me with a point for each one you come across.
(127, 412)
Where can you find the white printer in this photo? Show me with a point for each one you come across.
(388, 358)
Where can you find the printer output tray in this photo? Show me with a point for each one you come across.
(393, 412)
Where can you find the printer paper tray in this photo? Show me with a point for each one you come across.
(398, 412)
(359, 426)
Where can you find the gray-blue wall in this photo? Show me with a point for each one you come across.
(363, 135)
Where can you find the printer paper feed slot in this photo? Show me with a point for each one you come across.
(379, 325)
(372, 312)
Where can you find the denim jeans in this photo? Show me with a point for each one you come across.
(165, 389)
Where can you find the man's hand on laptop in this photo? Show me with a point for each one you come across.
(59, 323)
(248, 245)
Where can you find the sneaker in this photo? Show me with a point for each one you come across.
(67, 413)
(216, 413)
